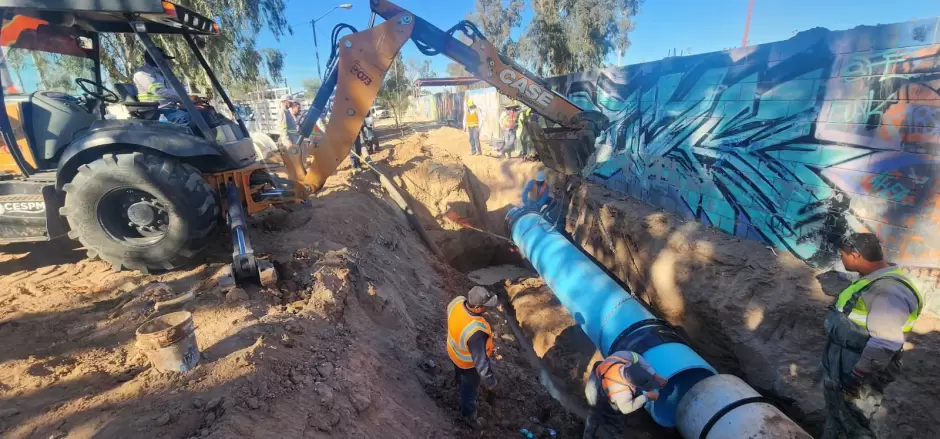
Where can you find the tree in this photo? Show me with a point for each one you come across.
(422, 69)
(396, 90)
(496, 19)
(311, 87)
(455, 70)
(568, 36)
(233, 55)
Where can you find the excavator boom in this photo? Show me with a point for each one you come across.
(363, 58)
(484, 61)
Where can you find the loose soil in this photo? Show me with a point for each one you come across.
(350, 343)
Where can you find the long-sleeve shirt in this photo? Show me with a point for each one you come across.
(528, 189)
(481, 361)
(288, 129)
(625, 402)
(152, 86)
(890, 303)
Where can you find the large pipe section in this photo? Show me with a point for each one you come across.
(614, 319)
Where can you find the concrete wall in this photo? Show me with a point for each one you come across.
(488, 100)
(749, 311)
(422, 109)
(793, 143)
(448, 108)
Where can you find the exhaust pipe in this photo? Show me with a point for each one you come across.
(696, 396)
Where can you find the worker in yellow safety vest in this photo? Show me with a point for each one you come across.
(866, 329)
(153, 87)
(621, 384)
(288, 122)
(472, 121)
(521, 135)
(470, 346)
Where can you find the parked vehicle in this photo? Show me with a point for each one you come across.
(379, 112)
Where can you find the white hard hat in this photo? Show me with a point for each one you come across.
(540, 176)
(285, 98)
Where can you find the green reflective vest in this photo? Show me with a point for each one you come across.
(151, 95)
(858, 311)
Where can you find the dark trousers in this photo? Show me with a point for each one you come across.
(602, 423)
(849, 416)
(474, 133)
(524, 142)
(468, 380)
(357, 148)
(509, 143)
(174, 115)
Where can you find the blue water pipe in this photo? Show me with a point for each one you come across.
(611, 316)
(696, 399)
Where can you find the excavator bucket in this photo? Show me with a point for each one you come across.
(562, 149)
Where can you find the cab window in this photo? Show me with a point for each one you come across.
(37, 55)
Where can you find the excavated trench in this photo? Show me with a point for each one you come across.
(460, 209)
(441, 190)
(749, 311)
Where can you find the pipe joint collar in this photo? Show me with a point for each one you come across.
(645, 335)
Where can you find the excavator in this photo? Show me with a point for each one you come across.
(78, 159)
(359, 61)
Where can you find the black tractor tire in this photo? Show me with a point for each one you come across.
(185, 200)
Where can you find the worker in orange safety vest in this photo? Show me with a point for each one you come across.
(536, 193)
(472, 121)
(509, 122)
(621, 384)
(470, 346)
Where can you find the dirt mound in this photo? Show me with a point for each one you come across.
(494, 183)
(349, 344)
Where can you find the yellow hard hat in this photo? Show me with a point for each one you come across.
(469, 102)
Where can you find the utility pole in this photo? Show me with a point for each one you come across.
(747, 24)
(313, 26)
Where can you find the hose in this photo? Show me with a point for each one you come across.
(464, 26)
(334, 46)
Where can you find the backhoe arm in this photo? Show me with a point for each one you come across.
(484, 61)
(363, 58)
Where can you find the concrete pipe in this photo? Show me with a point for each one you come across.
(725, 407)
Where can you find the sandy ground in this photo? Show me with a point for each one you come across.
(444, 178)
(748, 310)
(350, 344)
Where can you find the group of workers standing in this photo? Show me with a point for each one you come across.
(865, 327)
(511, 124)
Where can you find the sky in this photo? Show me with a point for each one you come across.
(661, 25)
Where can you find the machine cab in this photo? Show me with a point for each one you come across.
(57, 102)
(44, 104)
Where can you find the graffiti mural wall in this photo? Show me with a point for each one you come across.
(793, 143)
